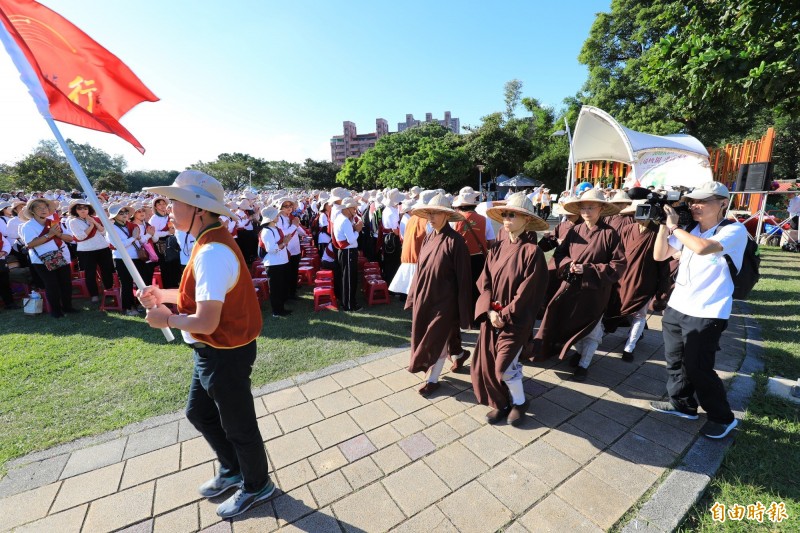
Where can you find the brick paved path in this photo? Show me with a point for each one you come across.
(360, 450)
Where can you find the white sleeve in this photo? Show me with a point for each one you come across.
(216, 270)
(489, 230)
(733, 238)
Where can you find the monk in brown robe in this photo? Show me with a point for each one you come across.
(619, 221)
(644, 278)
(512, 287)
(441, 292)
(588, 263)
(550, 241)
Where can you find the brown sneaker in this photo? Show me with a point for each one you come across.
(495, 416)
(517, 415)
(429, 388)
(459, 362)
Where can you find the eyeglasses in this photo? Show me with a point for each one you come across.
(81, 207)
(284, 206)
(692, 201)
(508, 214)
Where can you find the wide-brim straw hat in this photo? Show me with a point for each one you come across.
(197, 189)
(268, 214)
(114, 209)
(631, 209)
(16, 204)
(621, 197)
(73, 205)
(4, 206)
(406, 206)
(393, 198)
(26, 212)
(282, 200)
(522, 205)
(591, 195)
(466, 196)
(347, 203)
(437, 204)
(339, 193)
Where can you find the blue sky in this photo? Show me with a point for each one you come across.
(277, 79)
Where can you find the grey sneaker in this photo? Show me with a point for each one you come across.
(717, 430)
(668, 408)
(218, 484)
(242, 500)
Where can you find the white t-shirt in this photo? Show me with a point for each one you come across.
(29, 231)
(216, 270)
(703, 285)
(186, 243)
(275, 256)
(390, 218)
(289, 229)
(323, 238)
(80, 229)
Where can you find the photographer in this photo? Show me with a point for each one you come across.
(699, 307)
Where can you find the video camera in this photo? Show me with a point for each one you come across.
(653, 208)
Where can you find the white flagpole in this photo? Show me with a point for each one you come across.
(31, 80)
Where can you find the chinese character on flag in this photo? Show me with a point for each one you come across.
(84, 84)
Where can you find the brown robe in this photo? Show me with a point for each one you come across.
(440, 296)
(553, 282)
(644, 277)
(515, 276)
(576, 308)
(619, 221)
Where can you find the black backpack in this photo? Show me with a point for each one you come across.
(746, 277)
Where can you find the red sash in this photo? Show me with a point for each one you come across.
(91, 233)
(47, 225)
(263, 245)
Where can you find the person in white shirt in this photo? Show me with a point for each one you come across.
(391, 246)
(289, 225)
(323, 222)
(43, 237)
(276, 259)
(345, 240)
(698, 309)
(128, 234)
(92, 247)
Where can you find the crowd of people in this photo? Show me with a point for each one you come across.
(456, 261)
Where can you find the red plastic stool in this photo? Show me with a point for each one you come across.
(325, 274)
(261, 285)
(305, 275)
(259, 271)
(116, 296)
(257, 263)
(377, 292)
(372, 265)
(324, 298)
(82, 290)
(157, 279)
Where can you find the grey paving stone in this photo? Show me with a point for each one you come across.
(643, 451)
(369, 509)
(151, 439)
(664, 434)
(317, 522)
(416, 446)
(186, 430)
(456, 465)
(415, 487)
(548, 413)
(598, 426)
(357, 447)
(32, 475)
(555, 515)
(94, 457)
(490, 445)
(430, 520)
(515, 486)
(622, 413)
(329, 488)
(488, 516)
(546, 463)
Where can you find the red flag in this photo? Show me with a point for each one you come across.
(85, 84)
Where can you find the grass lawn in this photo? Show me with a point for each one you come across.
(763, 465)
(94, 372)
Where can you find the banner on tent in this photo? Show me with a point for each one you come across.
(666, 169)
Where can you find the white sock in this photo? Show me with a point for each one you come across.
(436, 370)
(517, 392)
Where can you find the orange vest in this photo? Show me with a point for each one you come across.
(240, 321)
(412, 239)
(478, 224)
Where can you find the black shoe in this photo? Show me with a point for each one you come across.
(517, 414)
(57, 315)
(717, 430)
(495, 416)
(574, 359)
(580, 374)
(627, 356)
(668, 408)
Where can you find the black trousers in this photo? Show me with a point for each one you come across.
(126, 281)
(278, 287)
(5, 288)
(92, 260)
(347, 280)
(294, 265)
(220, 407)
(57, 287)
(690, 347)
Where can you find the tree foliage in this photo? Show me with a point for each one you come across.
(41, 172)
(316, 175)
(744, 52)
(512, 92)
(112, 181)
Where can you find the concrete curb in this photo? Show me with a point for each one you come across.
(682, 488)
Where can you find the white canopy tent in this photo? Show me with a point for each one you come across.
(659, 160)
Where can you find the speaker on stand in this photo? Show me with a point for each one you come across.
(758, 178)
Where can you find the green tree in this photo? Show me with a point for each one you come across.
(96, 162)
(232, 170)
(316, 175)
(350, 174)
(37, 172)
(281, 174)
(113, 181)
(500, 146)
(138, 179)
(512, 92)
(737, 52)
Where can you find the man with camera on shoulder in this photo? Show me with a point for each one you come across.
(699, 307)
